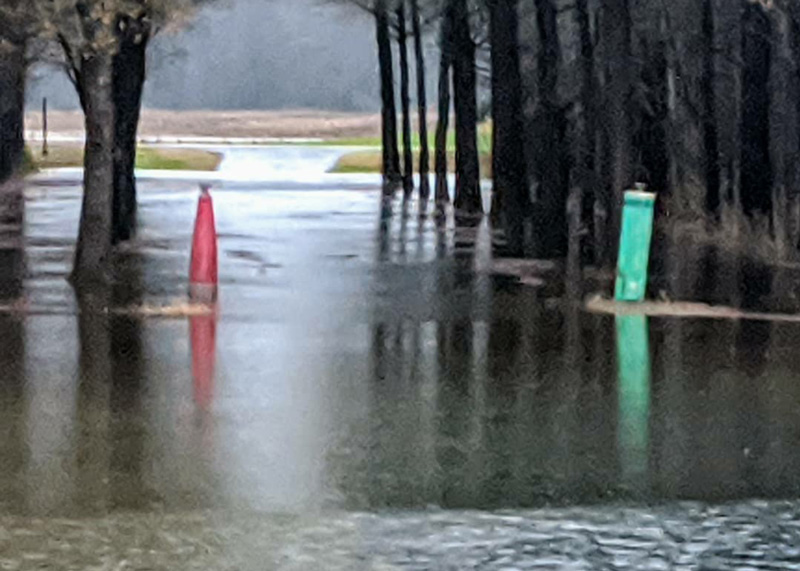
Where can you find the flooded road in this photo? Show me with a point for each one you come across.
(374, 395)
(252, 167)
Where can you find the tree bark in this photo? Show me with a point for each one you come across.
(391, 158)
(94, 236)
(784, 136)
(729, 107)
(405, 100)
(650, 107)
(12, 107)
(794, 195)
(422, 105)
(129, 77)
(710, 136)
(510, 191)
(550, 228)
(685, 132)
(443, 120)
(616, 38)
(585, 181)
(756, 167)
(468, 199)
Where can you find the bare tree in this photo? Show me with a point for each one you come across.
(17, 25)
(757, 176)
(135, 32)
(710, 137)
(616, 40)
(86, 32)
(783, 136)
(422, 103)
(445, 67)
(391, 157)
(100, 40)
(510, 193)
(468, 199)
(550, 224)
(405, 99)
(129, 75)
(583, 182)
(135, 23)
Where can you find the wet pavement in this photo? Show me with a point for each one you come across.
(374, 395)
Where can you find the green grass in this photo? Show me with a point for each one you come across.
(361, 162)
(347, 142)
(64, 155)
(151, 158)
(376, 142)
(358, 162)
(484, 140)
(369, 161)
(28, 163)
(58, 156)
(485, 133)
(158, 158)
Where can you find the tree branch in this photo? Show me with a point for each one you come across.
(71, 66)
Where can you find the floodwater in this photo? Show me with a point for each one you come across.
(373, 395)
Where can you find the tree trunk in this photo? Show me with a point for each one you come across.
(616, 39)
(550, 216)
(651, 150)
(510, 191)
(129, 77)
(585, 181)
(784, 137)
(710, 137)
(405, 100)
(794, 195)
(391, 158)
(12, 108)
(468, 199)
(728, 97)
(94, 237)
(443, 120)
(757, 175)
(422, 105)
(686, 74)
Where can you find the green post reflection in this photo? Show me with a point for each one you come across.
(633, 366)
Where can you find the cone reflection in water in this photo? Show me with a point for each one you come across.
(203, 332)
(203, 274)
(633, 364)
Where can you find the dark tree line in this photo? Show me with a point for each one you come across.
(698, 99)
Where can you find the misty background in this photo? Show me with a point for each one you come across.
(254, 54)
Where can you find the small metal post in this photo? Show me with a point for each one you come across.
(45, 149)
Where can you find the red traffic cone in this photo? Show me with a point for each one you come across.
(203, 334)
(203, 278)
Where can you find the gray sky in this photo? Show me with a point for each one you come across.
(256, 54)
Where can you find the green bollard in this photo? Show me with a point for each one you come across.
(633, 368)
(634, 245)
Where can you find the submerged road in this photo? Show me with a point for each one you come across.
(381, 399)
(290, 167)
